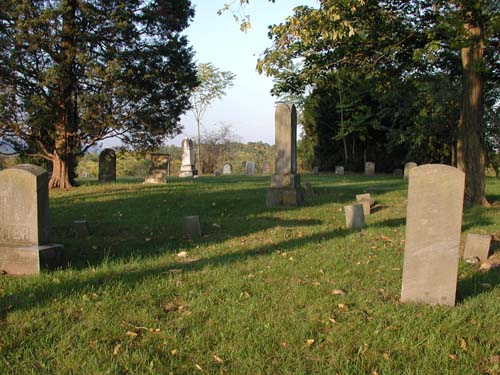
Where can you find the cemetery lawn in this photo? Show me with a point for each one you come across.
(265, 291)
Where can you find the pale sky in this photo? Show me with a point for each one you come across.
(248, 106)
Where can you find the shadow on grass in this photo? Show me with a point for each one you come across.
(478, 283)
(46, 292)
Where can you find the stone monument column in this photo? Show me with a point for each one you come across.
(187, 167)
(285, 187)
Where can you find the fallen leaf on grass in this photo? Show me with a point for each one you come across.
(337, 292)
(116, 350)
(452, 356)
(173, 351)
(93, 344)
(198, 367)
(182, 254)
(386, 356)
(131, 334)
(218, 359)
(316, 283)
(385, 238)
(332, 320)
(463, 345)
(309, 342)
(495, 359)
(342, 306)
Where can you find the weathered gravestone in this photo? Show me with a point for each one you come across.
(107, 165)
(339, 170)
(408, 166)
(216, 172)
(477, 246)
(193, 227)
(433, 225)
(160, 168)
(249, 168)
(354, 216)
(227, 169)
(187, 167)
(24, 221)
(365, 197)
(315, 170)
(285, 187)
(369, 168)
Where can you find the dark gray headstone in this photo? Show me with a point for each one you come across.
(107, 165)
(433, 226)
(369, 168)
(339, 170)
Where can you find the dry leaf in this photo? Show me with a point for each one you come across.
(337, 292)
(316, 283)
(387, 356)
(452, 356)
(93, 344)
(198, 367)
(218, 359)
(116, 350)
(495, 359)
(385, 238)
(342, 306)
(374, 372)
(309, 342)
(173, 351)
(131, 334)
(463, 345)
(332, 320)
(182, 254)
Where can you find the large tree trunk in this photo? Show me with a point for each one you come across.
(471, 154)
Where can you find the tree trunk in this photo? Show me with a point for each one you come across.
(471, 154)
(60, 173)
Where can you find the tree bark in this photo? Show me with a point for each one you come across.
(471, 153)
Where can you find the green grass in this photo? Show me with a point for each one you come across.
(250, 294)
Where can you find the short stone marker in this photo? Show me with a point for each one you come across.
(339, 170)
(192, 227)
(107, 165)
(397, 172)
(408, 166)
(216, 173)
(369, 168)
(81, 228)
(433, 225)
(227, 169)
(285, 187)
(250, 168)
(187, 167)
(365, 197)
(315, 170)
(354, 216)
(160, 168)
(477, 246)
(24, 221)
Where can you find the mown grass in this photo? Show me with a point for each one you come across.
(256, 295)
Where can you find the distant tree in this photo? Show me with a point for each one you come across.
(213, 84)
(75, 72)
(218, 147)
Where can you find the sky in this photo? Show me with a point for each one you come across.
(248, 106)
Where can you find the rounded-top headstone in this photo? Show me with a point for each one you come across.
(107, 165)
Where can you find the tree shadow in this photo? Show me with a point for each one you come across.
(44, 293)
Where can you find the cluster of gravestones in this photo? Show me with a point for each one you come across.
(370, 169)
(433, 221)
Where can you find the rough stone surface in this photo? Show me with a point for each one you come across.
(339, 170)
(369, 168)
(107, 165)
(227, 169)
(477, 246)
(192, 227)
(250, 168)
(217, 173)
(408, 166)
(160, 168)
(315, 170)
(285, 187)
(187, 166)
(24, 221)
(81, 228)
(366, 206)
(354, 216)
(433, 225)
(365, 197)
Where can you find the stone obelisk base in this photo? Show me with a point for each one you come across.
(29, 259)
(285, 191)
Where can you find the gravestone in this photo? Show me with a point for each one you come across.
(285, 187)
(216, 173)
(187, 167)
(24, 221)
(477, 246)
(227, 169)
(250, 168)
(192, 227)
(107, 165)
(397, 172)
(408, 166)
(369, 168)
(339, 170)
(81, 228)
(433, 225)
(354, 216)
(160, 168)
(365, 197)
(266, 168)
(315, 170)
